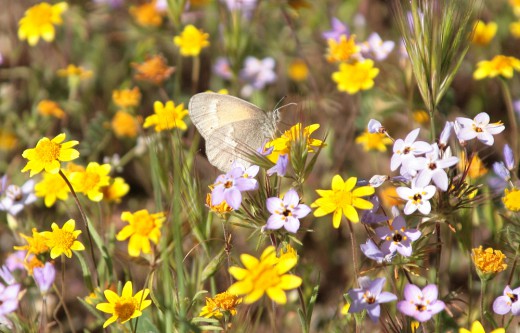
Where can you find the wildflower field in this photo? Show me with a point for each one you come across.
(259, 166)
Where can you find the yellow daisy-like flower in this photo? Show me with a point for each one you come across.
(421, 116)
(389, 197)
(31, 263)
(126, 98)
(267, 275)
(50, 108)
(514, 28)
(477, 327)
(51, 188)
(191, 41)
(220, 304)
(488, 262)
(64, 240)
(282, 145)
(73, 71)
(476, 168)
(48, 154)
(167, 116)
(125, 125)
(154, 70)
(35, 244)
(343, 199)
(511, 199)
(298, 70)
(115, 191)
(126, 306)
(39, 21)
(483, 33)
(221, 209)
(499, 65)
(142, 228)
(352, 78)
(92, 180)
(373, 141)
(8, 140)
(342, 50)
(147, 15)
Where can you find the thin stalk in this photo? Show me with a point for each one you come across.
(43, 321)
(483, 286)
(227, 241)
(511, 115)
(85, 221)
(61, 297)
(432, 125)
(354, 246)
(195, 74)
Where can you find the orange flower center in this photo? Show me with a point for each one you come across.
(125, 308)
(144, 224)
(48, 151)
(63, 238)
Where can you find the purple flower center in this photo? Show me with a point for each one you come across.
(287, 212)
(512, 297)
(228, 184)
(407, 150)
(369, 298)
(420, 307)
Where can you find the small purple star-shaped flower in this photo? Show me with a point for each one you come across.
(287, 212)
(421, 304)
(229, 186)
(397, 238)
(369, 297)
(508, 302)
(44, 277)
(338, 29)
(371, 251)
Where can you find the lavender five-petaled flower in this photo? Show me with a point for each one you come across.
(258, 73)
(508, 302)
(338, 29)
(8, 298)
(376, 48)
(421, 304)
(280, 168)
(478, 127)
(501, 171)
(509, 158)
(432, 168)
(369, 297)
(16, 198)
(287, 212)
(371, 251)
(445, 135)
(229, 186)
(6, 275)
(417, 198)
(370, 216)
(397, 238)
(406, 150)
(44, 277)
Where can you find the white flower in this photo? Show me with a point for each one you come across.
(445, 134)
(378, 180)
(16, 198)
(375, 126)
(417, 198)
(405, 151)
(433, 169)
(258, 73)
(286, 212)
(376, 48)
(479, 128)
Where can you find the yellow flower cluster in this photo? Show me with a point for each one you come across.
(191, 41)
(283, 144)
(483, 33)
(500, 65)
(126, 98)
(142, 228)
(153, 70)
(488, 261)
(221, 304)
(343, 50)
(511, 199)
(50, 108)
(39, 21)
(146, 14)
(373, 141)
(167, 116)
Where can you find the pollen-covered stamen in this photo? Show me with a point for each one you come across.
(407, 150)
(228, 184)
(48, 151)
(287, 212)
(369, 298)
(478, 129)
(125, 308)
(432, 166)
(417, 198)
(420, 307)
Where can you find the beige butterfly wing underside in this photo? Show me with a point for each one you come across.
(231, 127)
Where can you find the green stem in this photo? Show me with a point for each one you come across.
(432, 125)
(483, 286)
(195, 73)
(354, 247)
(511, 115)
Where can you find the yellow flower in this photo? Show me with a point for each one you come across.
(483, 33)
(73, 71)
(221, 209)
(31, 263)
(514, 28)
(373, 141)
(488, 261)
(147, 15)
(39, 21)
(414, 325)
(352, 78)
(343, 199)
(126, 306)
(342, 50)
(191, 41)
(126, 98)
(115, 191)
(288, 253)
(142, 228)
(167, 116)
(421, 116)
(476, 168)
(511, 200)
(298, 70)
(266, 275)
(516, 6)
(389, 197)
(90, 181)
(220, 304)
(50, 108)
(125, 125)
(48, 154)
(499, 65)
(51, 188)
(64, 240)
(477, 327)
(345, 308)
(8, 140)
(154, 70)
(282, 145)
(35, 244)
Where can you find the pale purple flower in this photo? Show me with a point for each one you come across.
(338, 29)
(44, 277)
(369, 297)
(16, 198)
(445, 134)
(501, 171)
(432, 168)
(370, 216)
(374, 126)
(508, 302)
(258, 73)
(16, 261)
(480, 128)
(417, 198)
(397, 237)
(286, 212)
(3, 184)
(6, 275)
(378, 180)
(420, 304)
(229, 186)
(8, 298)
(372, 251)
(509, 157)
(405, 151)
(222, 68)
(375, 48)
(161, 5)
(111, 3)
(280, 168)
(245, 6)
(516, 106)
